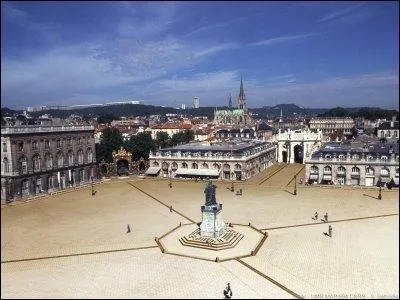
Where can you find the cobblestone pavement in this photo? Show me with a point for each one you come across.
(360, 259)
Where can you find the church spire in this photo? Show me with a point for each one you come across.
(242, 97)
(230, 101)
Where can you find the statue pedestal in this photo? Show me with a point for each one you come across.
(212, 224)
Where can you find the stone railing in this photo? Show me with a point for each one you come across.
(39, 129)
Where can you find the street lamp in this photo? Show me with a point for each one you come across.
(91, 178)
(380, 189)
(380, 193)
(7, 186)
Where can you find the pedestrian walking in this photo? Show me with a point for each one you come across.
(316, 216)
(228, 292)
(128, 229)
(330, 231)
(326, 217)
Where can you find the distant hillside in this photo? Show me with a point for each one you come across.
(266, 111)
(370, 113)
(5, 111)
(288, 110)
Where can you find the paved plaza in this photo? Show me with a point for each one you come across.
(74, 245)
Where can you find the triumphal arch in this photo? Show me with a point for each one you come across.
(295, 145)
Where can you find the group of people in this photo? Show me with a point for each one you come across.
(325, 219)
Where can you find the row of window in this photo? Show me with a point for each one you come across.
(184, 165)
(356, 157)
(354, 170)
(388, 133)
(48, 161)
(47, 143)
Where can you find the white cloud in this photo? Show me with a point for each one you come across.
(215, 49)
(201, 82)
(282, 39)
(214, 88)
(340, 13)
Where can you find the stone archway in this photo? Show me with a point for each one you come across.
(284, 156)
(298, 152)
(122, 167)
(122, 161)
(295, 145)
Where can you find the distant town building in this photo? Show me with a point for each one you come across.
(234, 116)
(264, 131)
(183, 106)
(237, 159)
(329, 125)
(125, 102)
(170, 128)
(196, 102)
(41, 159)
(389, 130)
(363, 161)
(235, 133)
(202, 135)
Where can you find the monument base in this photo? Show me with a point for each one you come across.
(212, 224)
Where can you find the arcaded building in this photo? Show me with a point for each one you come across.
(41, 159)
(236, 159)
(364, 161)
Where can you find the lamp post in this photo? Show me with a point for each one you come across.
(91, 178)
(7, 186)
(380, 193)
(380, 188)
(295, 185)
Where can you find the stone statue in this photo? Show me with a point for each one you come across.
(209, 191)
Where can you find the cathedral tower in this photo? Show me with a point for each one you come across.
(242, 97)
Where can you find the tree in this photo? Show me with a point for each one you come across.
(162, 139)
(337, 112)
(182, 137)
(106, 119)
(110, 140)
(22, 119)
(140, 145)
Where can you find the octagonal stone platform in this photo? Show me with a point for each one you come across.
(229, 239)
(240, 241)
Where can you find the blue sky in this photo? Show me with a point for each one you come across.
(313, 54)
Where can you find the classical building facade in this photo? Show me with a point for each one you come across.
(389, 130)
(40, 159)
(293, 146)
(331, 124)
(238, 159)
(234, 116)
(364, 161)
(170, 128)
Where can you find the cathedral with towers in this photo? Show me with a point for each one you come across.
(234, 116)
